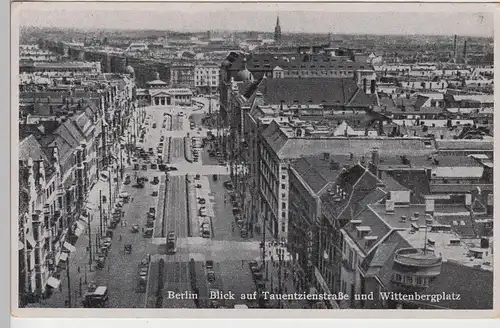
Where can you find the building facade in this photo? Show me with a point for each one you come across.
(206, 78)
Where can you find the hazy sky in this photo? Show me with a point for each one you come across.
(433, 19)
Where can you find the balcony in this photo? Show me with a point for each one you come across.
(413, 257)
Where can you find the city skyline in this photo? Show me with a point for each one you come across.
(189, 19)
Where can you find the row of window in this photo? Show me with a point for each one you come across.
(410, 280)
(319, 73)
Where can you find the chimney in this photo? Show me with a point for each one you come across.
(485, 242)
(455, 47)
(375, 157)
(334, 166)
(389, 206)
(465, 50)
(468, 200)
(428, 220)
(373, 87)
(326, 156)
(429, 206)
(416, 216)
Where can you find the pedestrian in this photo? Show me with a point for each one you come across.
(121, 223)
(78, 269)
(242, 263)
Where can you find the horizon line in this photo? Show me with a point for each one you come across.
(242, 31)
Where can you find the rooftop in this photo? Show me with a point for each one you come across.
(331, 91)
(474, 285)
(284, 142)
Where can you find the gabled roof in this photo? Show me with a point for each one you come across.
(311, 91)
(67, 138)
(30, 148)
(317, 172)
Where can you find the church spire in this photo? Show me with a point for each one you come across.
(277, 30)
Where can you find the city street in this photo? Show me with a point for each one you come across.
(229, 251)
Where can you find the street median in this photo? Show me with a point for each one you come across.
(187, 149)
(191, 206)
(169, 146)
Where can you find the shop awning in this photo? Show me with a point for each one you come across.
(69, 247)
(53, 282)
(64, 257)
(80, 225)
(78, 232)
(30, 240)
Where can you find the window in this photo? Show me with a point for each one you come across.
(283, 205)
(397, 277)
(283, 196)
(283, 176)
(283, 186)
(283, 227)
(421, 281)
(283, 214)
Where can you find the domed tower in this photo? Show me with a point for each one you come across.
(277, 30)
(244, 75)
(130, 71)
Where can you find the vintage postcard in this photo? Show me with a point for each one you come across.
(190, 159)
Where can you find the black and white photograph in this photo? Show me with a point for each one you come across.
(252, 156)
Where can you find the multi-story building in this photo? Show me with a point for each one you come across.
(32, 53)
(414, 250)
(283, 142)
(38, 182)
(243, 67)
(206, 77)
(66, 141)
(182, 75)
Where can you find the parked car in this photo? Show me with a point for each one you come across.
(148, 233)
(155, 180)
(197, 177)
(214, 177)
(228, 185)
(201, 201)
